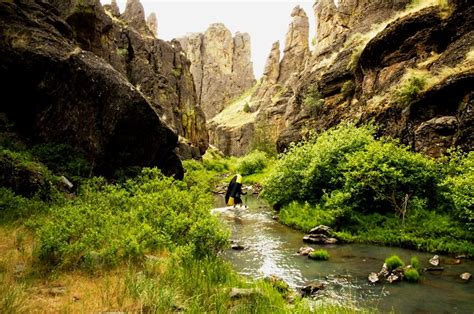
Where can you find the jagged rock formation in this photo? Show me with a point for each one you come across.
(296, 45)
(134, 14)
(221, 66)
(79, 77)
(367, 55)
(152, 23)
(272, 66)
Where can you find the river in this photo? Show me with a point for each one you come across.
(270, 248)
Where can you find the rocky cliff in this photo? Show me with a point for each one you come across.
(99, 81)
(220, 64)
(408, 68)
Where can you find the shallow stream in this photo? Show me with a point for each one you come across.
(270, 248)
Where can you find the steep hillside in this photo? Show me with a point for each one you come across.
(101, 82)
(406, 66)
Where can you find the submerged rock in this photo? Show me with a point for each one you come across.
(237, 247)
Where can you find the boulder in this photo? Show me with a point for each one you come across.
(95, 109)
(319, 239)
(434, 260)
(239, 293)
(321, 229)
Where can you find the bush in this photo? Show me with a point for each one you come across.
(388, 177)
(313, 99)
(320, 255)
(415, 263)
(393, 262)
(246, 107)
(409, 90)
(110, 223)
(412, 275)
(310, 169)
(252, 163)
(458, 187)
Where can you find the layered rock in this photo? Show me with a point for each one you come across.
(221, 66)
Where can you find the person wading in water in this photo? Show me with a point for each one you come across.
(234, 191)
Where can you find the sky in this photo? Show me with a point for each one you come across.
(265, 20)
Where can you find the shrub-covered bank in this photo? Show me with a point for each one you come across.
(142, 244)
(376, 190)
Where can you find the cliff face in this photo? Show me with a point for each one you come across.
(407, 68)
(83, 76)
(220, 65)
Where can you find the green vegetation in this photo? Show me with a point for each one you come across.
(375, 191)
(246, 108)
(347, 89)
(412, 275)
(393, 262)
(313, 99)
(319, 255)
(409, 90)
(415, 263)
(252, 163)
(176, 72)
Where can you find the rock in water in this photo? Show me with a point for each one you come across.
(434, 260)
(392, 278)
(237, 247)
(465, 276)
(305, 250)
(311, 289)
(384, 271)
(321, 229)
(373, 277)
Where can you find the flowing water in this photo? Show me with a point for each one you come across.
(271, 249)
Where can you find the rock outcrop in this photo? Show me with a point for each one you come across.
(221, 66)
(134, 15)
(152, 23)
(76, 76)
(365, 53)
(296, 45)
(272, 66)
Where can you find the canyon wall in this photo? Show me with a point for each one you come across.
(99, 81)
(407, 68)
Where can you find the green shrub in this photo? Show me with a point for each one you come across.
(109, 223)
(310, 169)
(412, 275)
(64, 160)
(458, 187)
(252, 163)
(347, 89)
(320, 255)
(393, 262)
(409, 90)
(313, 99)
(387, 176)
(415, 263)
(246, 107)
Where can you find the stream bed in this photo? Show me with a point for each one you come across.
(270, 249)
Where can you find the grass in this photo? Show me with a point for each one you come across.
(412, 275)
(234, 114)
(393, 262)
(319, 255)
